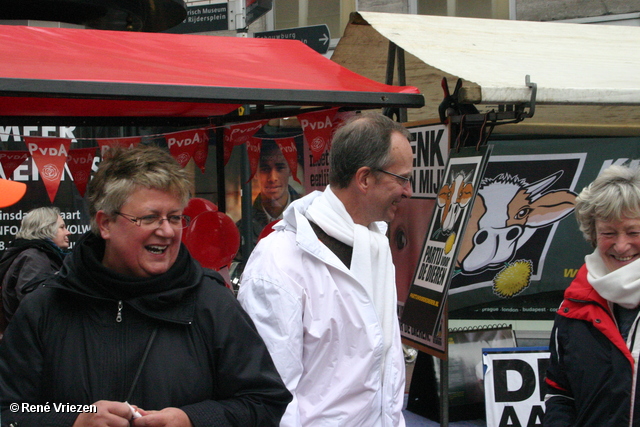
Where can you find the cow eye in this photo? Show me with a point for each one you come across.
(401, 239)
(522, 213)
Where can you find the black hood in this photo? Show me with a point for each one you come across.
(170, 296)
(47, 246)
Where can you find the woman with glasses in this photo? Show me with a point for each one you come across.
(133, 331)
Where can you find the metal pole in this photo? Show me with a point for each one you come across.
(402, 81)
(222, 188)
(444, 392)
(247, 212)
(391, 63)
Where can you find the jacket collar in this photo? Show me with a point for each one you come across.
(170, 296)
(582, 302)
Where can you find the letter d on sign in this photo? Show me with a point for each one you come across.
(514, 380)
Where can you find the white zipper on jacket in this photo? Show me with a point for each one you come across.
(119, 315)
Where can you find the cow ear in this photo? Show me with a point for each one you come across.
(551, 207)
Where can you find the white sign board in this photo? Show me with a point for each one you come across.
(513, 385)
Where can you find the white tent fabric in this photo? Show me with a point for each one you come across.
(587, 76)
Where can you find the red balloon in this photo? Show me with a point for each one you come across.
(197, 205)
(267, 229)
(212, 237)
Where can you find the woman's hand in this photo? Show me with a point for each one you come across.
(168, 417)
(108, 414)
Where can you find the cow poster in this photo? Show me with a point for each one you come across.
(522, 246)
(520, 202)
(424, 309)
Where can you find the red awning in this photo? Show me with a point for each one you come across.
(92, 73)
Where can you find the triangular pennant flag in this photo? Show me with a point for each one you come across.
(253, 152)
(290, 153)
(239, 134)
(106, 144)
(183, 144)
(317, 128)
(340, 118)
(80, 161)
(49, 155)
(201, 153)
(10, 160)
(228, 148)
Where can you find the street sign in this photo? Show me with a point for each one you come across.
(254, 9)
(211, 17)
(317, 37)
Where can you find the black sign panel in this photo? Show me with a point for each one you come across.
(317, 37)
(256, 8)
(200, 19)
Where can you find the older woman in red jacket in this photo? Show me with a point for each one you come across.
(592, 378)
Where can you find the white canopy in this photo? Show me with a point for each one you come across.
(587, 76)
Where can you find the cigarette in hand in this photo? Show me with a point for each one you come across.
(134, 413)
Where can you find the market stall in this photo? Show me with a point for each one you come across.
(56, 79)
(586, 75)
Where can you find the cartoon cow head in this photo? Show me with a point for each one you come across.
(506, 213)
(453, 198)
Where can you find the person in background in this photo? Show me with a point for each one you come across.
(321, 287)
(275, 196)
(10, 193)
(38, 249)
(592, 379)
(275, 192)
(133, 325)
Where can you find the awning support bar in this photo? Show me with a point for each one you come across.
(395, 52)
(506, 114)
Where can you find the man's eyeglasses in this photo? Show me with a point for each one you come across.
(403, 179)
(155, 221)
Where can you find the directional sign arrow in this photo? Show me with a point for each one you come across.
(317, 37)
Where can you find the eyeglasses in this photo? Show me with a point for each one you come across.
(155, 221)
(403, 179)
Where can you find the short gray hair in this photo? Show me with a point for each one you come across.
(39, 223)
(363, 140)
(614, 194)
(126, 170)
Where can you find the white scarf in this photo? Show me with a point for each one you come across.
(621, 286)
(371, 262)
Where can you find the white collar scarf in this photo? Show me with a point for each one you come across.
(371, 262)
(621, 286)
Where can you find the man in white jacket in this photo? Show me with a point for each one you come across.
(321, 287)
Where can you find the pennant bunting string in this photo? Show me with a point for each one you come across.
(50, 154)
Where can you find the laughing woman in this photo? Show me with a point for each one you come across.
(133, 318)
(592, 378)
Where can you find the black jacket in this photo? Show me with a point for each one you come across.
(591, 372)
(81, 337)
(23, 262)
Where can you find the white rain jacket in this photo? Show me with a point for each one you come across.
(322, 331)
